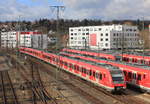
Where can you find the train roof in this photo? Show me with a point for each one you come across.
(117, 52)
(107, 66)
(132, 66)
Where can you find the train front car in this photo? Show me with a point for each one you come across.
(118, 81)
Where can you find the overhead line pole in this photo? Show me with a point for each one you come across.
(58, 9)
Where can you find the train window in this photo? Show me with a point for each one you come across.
(134, 76)
(65, 63)
(100, 77)
(129, 74)
(70, 65)
(60, 62)
(144, 76)
(53, 59)
(97, 75)
(77, 68)
(87, 72)
(104, 75)
(125, 73)
(80, 69)
(139, 77)
(90, 72)
(142, 61)
(84, 71)
(93, 73)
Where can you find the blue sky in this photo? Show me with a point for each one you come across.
(75, 9)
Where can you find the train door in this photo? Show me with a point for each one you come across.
(97, 77)
(94, 75)
(129, 76)
(90, 74)
(70, 67)
(83, 70)
(125, 75)
(134, 78)
(139, 77)
(130, 60)
(100, 77)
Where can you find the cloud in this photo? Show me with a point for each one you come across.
(108, 9)
(11, 10)
(75, 9)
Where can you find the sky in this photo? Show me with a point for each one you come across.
(74, 9)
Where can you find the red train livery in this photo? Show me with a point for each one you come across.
(107, 76)
(90, 53)
(136, 75)
(130, 58)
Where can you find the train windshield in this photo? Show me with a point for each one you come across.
(117, 76)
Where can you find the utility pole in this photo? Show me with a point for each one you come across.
(143, 40)
(58, 9)
(122, 43)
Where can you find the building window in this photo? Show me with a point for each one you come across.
(75, 33)
(83, 34)
(106, 44)
(79, 42)
(83, 37)
(100, 29)
(71, 30)
(101, 34)
(71, 37)
(87, 29)
(101, 39)
(71, 33)
(114, 34)
(79, 29)
(87, 33)
(106, 39)
(106, 34)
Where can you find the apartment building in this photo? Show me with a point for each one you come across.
(104, 37)
(13, 39)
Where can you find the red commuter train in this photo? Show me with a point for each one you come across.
(132, 58)
(137, 75)
(90, 53)
(129, 58)
(106, 76)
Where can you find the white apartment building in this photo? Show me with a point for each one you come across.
(8, 39)
(104, 37)
(26, 39)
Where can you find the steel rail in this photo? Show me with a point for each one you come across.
(12, 88)
(3, 88)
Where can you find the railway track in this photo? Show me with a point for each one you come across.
(125, 98)
(8, 94)
(34, 83)
(74, 84)
(94, 94)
